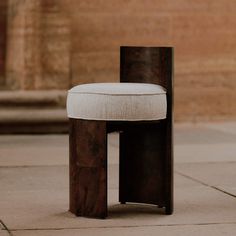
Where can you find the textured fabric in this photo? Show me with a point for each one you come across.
(117, 101)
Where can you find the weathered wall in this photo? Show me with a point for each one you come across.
(3, 39)
(55, 44)
(38, 46)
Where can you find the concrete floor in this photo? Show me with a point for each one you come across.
(34, 188)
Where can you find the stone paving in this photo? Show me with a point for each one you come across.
(34, 188)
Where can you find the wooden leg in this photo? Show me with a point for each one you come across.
(142, 164)
(88, 168)
(169, 179)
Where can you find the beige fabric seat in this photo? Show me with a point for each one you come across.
(117, 101)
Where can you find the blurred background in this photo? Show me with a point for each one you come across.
(48, 46)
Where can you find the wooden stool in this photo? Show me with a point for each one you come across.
(142, 112)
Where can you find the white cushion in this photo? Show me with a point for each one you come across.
(117, 101)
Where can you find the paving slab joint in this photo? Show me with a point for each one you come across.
(205, 184)
(4, 227)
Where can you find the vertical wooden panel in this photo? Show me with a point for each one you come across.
(142, 160)
(146, 65)
(150, 65)
(88, 168)
(168, 74)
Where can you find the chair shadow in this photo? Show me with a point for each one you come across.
(123, 211)
(133, 210)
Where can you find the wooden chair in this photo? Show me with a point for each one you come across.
(146, 146)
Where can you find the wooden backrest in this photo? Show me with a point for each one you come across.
(147, 65)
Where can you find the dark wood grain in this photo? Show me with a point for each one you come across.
(150, 65)
(147, 65)
(168, 74)
(142, 161)
(88, 168)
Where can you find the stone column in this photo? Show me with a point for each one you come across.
(3, 40)
(23, 58)
(39, 45)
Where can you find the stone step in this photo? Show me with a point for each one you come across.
(33, 120)
(52, 98)
(33, 112)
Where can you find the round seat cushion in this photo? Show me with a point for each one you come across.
(117, 102)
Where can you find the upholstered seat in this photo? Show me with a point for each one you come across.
(117, 101)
